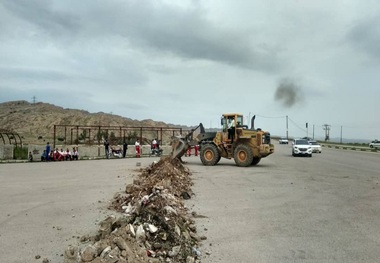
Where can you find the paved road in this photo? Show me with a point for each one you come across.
(320, 209)
(291, 209)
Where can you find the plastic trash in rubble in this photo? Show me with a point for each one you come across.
(152, 228)
(145, 200)
(196, 252)
(105, 252)
(151, 253)
(128, 209)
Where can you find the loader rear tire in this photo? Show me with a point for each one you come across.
(255, 160)
(210, 154)
(243, 155)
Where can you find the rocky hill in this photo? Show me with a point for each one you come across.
(35, 121)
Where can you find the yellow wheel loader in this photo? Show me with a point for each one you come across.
(236, 141)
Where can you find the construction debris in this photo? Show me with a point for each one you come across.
(153, 224)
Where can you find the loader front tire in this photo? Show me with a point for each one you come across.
(243, 155)
(210, 154)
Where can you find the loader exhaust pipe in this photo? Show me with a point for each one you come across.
(253, 122)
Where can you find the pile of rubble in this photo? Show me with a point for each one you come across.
(154, 225)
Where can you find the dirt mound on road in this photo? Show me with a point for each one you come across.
(154, 225)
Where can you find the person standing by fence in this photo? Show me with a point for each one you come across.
(138, 148)
(107, 148)
(125, 148)
(47, 152)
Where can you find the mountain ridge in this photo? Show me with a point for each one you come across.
(36, 120)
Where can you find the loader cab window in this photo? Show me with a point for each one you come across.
(223, 122)
(266, 138)
(239, 121)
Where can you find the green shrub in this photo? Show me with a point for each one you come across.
(20, 153)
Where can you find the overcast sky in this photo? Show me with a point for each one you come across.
(186, 62)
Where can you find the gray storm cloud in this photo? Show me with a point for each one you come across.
(288, 93)
(186, 33)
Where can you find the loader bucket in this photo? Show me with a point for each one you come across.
(179, 147)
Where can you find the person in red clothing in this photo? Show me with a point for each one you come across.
(154, 144)
(58, 156)
(196, 149)
(138, 148)
(51, 156)
(188, 152)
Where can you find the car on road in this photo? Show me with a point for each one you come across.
(301, 147)
(283, 140)
(374, 144)
(316, 147)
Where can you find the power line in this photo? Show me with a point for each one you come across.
(295, 124)
(326, 128)
(359, 127)
(267, 117)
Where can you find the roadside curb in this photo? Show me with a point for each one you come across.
(352, 148)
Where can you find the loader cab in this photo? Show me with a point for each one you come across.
(229, 123)
(237, 119)
(266, 138)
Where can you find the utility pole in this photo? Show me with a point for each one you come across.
(313, 131)
(307, 130)
(341, 132)
(34, 99)
(326, 128)
(287, 131)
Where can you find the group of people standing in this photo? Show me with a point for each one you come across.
(117, 152)
(138, 149)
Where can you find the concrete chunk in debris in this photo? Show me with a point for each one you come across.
(131, 230)
(71, 254)
(170, 210)
(174, 252)
(89, 253)
(140, 233)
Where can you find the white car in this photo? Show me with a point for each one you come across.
(301, 147)
(283, 140)
(374, 144)
(315, 146)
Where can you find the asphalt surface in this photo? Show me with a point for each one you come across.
(291, 209)
(285, 209)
